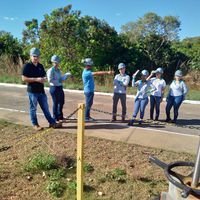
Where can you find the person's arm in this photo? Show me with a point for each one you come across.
(66, 76)
(135, 84)
(32, 80)
(163, 91)
(100, 73)
(149, 77)
(185, 90)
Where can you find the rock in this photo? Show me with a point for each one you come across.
(100, 193)
(29, 178)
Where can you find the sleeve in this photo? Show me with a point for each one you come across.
(185, 88)
(134, 84)
(43, 71)
(50, 76)
(164, 84)
(26, 71)
(116, 82)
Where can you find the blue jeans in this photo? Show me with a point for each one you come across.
(154, 104)
(175, 102)
(140, 104)
(58, 98)
(89, 96)
(41, 98)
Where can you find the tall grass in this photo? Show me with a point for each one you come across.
(10, 72)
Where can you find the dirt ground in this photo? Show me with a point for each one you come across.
(142, 180)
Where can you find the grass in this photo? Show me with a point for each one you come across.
(107, 86)
(117, 170)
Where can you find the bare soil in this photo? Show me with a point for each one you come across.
(142, 181)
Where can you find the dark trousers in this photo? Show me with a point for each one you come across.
(175, 102)
(58, 98)
(89, 96)
(116, 98)
(154, 105)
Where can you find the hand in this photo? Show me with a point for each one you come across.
(41, 79)
(161, 100)
(134, 75)
(153, 72)
(111, 72)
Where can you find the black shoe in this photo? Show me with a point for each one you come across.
(168, 120)
(156, 119)
(123, 119)
(131, 122)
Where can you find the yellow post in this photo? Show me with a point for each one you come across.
(80, 138)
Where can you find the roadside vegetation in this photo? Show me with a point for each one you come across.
(45, 167)
(149, 42)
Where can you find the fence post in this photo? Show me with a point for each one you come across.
(80, 139)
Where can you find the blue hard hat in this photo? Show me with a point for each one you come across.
(159, 70)
(55, 59)
(34, 52)
(178, 73)
(121, 66)
(88, 61)
(144, 72)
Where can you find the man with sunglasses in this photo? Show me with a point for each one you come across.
(34, 75)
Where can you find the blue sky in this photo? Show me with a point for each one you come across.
(13, 13)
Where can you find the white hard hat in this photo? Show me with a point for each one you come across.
(55, 59)
(178, 73)
(88, 61)
(121, 66)
(159, 70)
(144, 72)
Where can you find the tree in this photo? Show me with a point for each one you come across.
(10, 46)
(31, 33)
(167, 27)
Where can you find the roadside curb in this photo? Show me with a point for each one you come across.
(98, 93)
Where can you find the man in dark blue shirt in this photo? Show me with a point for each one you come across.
(34, 75)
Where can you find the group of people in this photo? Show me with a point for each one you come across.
(153, 85)
(34, 75)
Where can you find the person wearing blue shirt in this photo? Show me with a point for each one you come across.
(176, 95)
(144, 87)
(120, 82)
(89, 85)
(156, 96)
(55, 79)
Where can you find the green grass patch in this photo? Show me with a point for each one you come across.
(40, 161)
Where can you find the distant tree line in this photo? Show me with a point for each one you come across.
(149, 42)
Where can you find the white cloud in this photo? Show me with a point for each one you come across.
(10, 18)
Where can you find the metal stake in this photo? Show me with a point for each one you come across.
(196, 175)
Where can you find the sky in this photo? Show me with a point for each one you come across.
(13, 13)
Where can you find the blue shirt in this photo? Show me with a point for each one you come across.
(178, 89)
(88, 80)
(143, 88)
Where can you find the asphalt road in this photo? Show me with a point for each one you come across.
(16, 98)
(14, 107)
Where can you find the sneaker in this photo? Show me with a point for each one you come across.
(56, 125)
(131, 122)
(37, 128)
(90, 120)
(140, 121)
(113, 119)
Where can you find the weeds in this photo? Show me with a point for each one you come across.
(88, 168)
(56, 188)
(40, 161)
